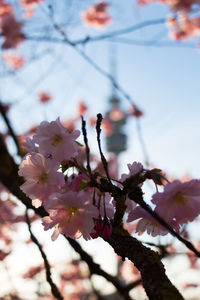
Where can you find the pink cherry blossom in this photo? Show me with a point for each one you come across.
(183, 27)
(14, 62)
(102, 201)
(72, 214)
(30, 145)
(96, 16)
(54, 140)
(78, 182)
(29, 6)
(44, 97)
(174, 5)
(130, 205)
(81, 108)
(5, 9)
(134, 169)
(42, 178)
(69, 124)
(148, 223)
(179, 200)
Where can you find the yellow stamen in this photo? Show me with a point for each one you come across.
(43, 178)
(56, 140)
(71, 212)
(180, 199)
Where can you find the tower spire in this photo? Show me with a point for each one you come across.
(115, 117)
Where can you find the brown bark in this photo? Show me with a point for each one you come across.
(155, 282)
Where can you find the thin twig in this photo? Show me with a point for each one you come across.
(95, 269)
(54, 288)
(122, 31)
(87, 149)
(153, 43)
(117, 86)
(103, 159)
(94, 64)
(188, 244)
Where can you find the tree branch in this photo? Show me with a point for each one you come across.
(54, 289)
(155, 282)
(10, 129)
(95, 269)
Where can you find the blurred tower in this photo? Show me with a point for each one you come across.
(116, 140)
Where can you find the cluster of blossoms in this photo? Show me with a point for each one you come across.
(96, 16)
(10, 28)
(29, 6)
(73, 208)
(78, 208)
(183, 27)
(174, 5)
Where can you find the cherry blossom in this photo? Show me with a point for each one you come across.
(78, 182)
(96, 16)
(44, 97)
(54, 140)
(5, 9)
(101, 200)
(81, 109)
(183, 27)
(148, 223)
(42, 178)
(72, 213)
(30, 145)
(69, 124)
(134, 168)
(174, 5)
(29, 6)
(179, 200)
(14, 62)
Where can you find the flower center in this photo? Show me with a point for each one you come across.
(180, 199)
(42, 178)
(56, 140)
(71, 211)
